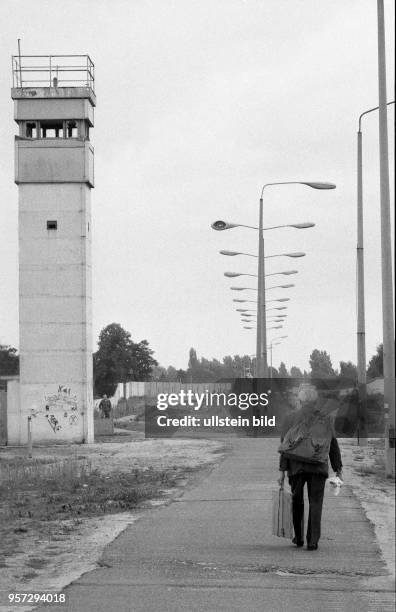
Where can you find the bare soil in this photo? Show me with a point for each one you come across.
(55, 521)
(364, 470)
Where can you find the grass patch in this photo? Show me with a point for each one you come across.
(71, 489)
(19, 470)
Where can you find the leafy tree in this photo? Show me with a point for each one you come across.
(283, 373)
(228, 367)
(216, 367)
(142, 361)
(171, 374)
(348, 370)
(296, 372)
(376, 363)
(273, 372)
(9, 361)
(158, 373)
(320, 363)
(198, 370)
(119, 359)
(181, 375)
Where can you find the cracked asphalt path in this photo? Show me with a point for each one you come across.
(212, 549)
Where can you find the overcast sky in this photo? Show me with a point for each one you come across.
(199, 103)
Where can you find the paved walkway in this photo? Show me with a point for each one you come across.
(212, 549)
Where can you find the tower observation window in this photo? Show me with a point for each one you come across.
(51, 129)
(71, 129)
(55, 128)
(31, 129)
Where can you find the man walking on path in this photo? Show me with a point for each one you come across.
(313, 474)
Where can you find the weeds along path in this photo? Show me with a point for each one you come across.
(59, 509)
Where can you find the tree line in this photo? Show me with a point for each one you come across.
(120, 359)
(205, 370)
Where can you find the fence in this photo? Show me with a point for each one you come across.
(41, 70)
(131, 397)
(153, 388)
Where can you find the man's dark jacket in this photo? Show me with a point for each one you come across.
(294, 467)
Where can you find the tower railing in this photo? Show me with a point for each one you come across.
(53, 71)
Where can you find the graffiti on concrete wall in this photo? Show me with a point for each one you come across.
(61, 409)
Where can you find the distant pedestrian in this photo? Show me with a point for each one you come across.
(307, 440)
(105, 407)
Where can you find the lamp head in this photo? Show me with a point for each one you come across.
(222, 225)
(231, 274)
(302, 225)
(318, 185)
(229, 253)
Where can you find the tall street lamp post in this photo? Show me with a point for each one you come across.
(361, 325)
(386, 252)
(262, 362)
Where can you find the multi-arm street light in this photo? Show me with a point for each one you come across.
(262, 362)
(276, 327)
(235, 274)
(261, 350)
(267, 288)
(223, 225)
(233, 253)
(255, 301)
(254, 310)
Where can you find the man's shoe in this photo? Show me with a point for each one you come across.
(312, 547)
(298, 543)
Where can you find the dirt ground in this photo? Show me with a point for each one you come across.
(47, 560)
(45, 556)
(364, 470)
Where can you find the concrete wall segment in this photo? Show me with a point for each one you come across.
(62, 281)
(56, 161)
(50, 367)
(61, 93)
(52, 337)
(53, 108)
(40, 309)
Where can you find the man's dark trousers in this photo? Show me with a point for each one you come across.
(316, 486)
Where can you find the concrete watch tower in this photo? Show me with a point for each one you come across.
(54, 104)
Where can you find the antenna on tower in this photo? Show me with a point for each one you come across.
(20, 65)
